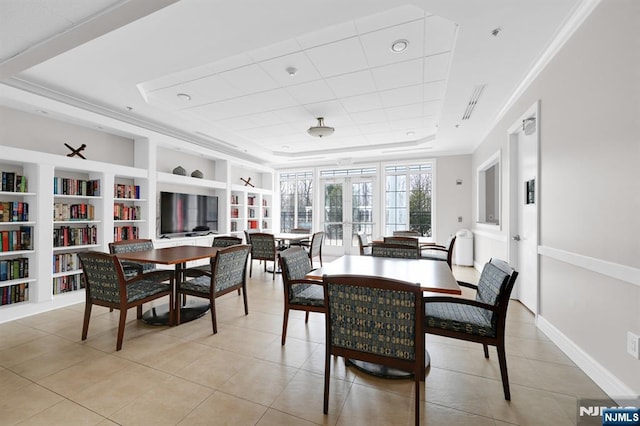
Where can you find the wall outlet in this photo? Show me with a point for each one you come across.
(459, 218)
(633, 345)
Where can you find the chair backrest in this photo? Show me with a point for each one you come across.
(406, 233)
(225, 241)
(103, 276)
(360, 244)
(407, 241)
(295, 263)
(494, 287)
(372, 315)
(316, 244)
(301, 231)
(229, 267)
(395, 250)
(129, 246)
(263, 246)
(450, 244)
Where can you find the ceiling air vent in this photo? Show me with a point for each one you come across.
(475, 96)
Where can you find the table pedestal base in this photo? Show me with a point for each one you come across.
(384, 371)
(159, 315)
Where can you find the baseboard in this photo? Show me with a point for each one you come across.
(610, 384)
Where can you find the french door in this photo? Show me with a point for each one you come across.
(347, 210)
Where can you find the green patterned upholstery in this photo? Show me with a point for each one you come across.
(372, 320)
(228, 273)
(131, 269)
(400, 240)
(226, 241)
(101, 275)
(464, 318)
(394, 250)
(263, 246)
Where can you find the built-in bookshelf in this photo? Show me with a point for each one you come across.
(266, 214)
(16, 234)
(128, 209)
(76, 227)
(237, 211)
(253, 211)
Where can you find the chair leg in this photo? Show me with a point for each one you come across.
(502, 360)
(87, 316)
(327, 374)
(214, 323)
(250, 267)
(139, 312)
(418, 401)
(285, 321)
(306, 317)
(486, 350)
(244, 297)
(121, 324)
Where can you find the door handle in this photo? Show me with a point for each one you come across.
(516, 237)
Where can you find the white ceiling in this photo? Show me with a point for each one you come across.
(231, 59)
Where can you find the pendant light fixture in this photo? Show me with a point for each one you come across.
(320, 130)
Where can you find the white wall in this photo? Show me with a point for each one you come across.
(46, 134)
(452, 200)
(589, 193)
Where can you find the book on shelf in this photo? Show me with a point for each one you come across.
(14, 293)
(122, 211)
(70, 186)
(122, 233)
(126, 191)
(67, 236)
(16, 239)
(62, 211)
(14, 211)
(14, 269)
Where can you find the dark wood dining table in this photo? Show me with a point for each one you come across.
(431, 275)
(177, 256)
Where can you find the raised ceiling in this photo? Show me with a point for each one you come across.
(250, 77)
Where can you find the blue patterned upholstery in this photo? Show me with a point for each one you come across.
(101, 275)
(263, 246)
(402, 240)
(295, 265)
(465, 318)
(373, 320)
(131, 269)
(394, 250)
(226, 241)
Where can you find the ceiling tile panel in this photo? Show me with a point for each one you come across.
(273, 99)
(355, 83)
(263, 119)
(202, 91)
(337, 58)
(436, 67)
(249, 79)
(231, 63)
(330, 110)
(377, 45)
(401, 96)
(312, 92)
(439, 35)
(328, 35)
(406, 111)
(433, 90)
(277, 69)
(398, 75)
(360, 103)
(367, 117)
(293, 114)
(431, 108)
(283, 48)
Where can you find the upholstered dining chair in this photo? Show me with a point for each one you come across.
(304, 242)
(299, 293)
(106, 285)
(134, 268)
(406, 233)
(315, 249)
(395, 250)
(365, 247)
(221, 241)
(377, 320)
(438, 252)
(263, 247)
(228, 273)
(481, 320)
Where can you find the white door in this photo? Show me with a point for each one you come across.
(524, 141)
(347, 210)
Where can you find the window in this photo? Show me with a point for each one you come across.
(488, 175)
(408, 198)
(296, 200)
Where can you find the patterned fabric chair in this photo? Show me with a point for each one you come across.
(315, 249)
(406, 233)
(376, 320)
(395, 250)
(365, 248)
(299, 294)
(407, 241)
(107, 286)
(132, 269)
(438, 252)
(222, 241)
(305, 242)
(263, 247)
(228, 273)
(481, 320)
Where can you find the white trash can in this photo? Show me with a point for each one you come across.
(463, 250)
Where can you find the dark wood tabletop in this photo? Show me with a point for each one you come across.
(431, 275)
(171, 255)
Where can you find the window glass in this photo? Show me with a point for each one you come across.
(296, 200)
(408, 198)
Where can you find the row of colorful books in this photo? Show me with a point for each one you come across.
(62, 211)
(12, 182)
(70, 186)
(126, 191)
(124, 212)
(16, 239)
(67, 236)
(122, 233)
(14, 211)
(65, 262)
(14, 293)
(67, 283)
(14, 269)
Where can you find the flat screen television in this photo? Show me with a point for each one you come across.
(187, 213)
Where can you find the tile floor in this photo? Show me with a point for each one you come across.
(186, 375)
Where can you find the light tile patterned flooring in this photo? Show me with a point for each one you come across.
(186, 375)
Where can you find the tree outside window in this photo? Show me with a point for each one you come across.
(296, 200)
(408, 207)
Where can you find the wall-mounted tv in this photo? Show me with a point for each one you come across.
(187, 213)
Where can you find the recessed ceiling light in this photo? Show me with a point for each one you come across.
(411, 133)
(399, 45)
(291, 71)
(285, 147)
(184, 96)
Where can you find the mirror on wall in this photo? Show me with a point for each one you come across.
(489, 195)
